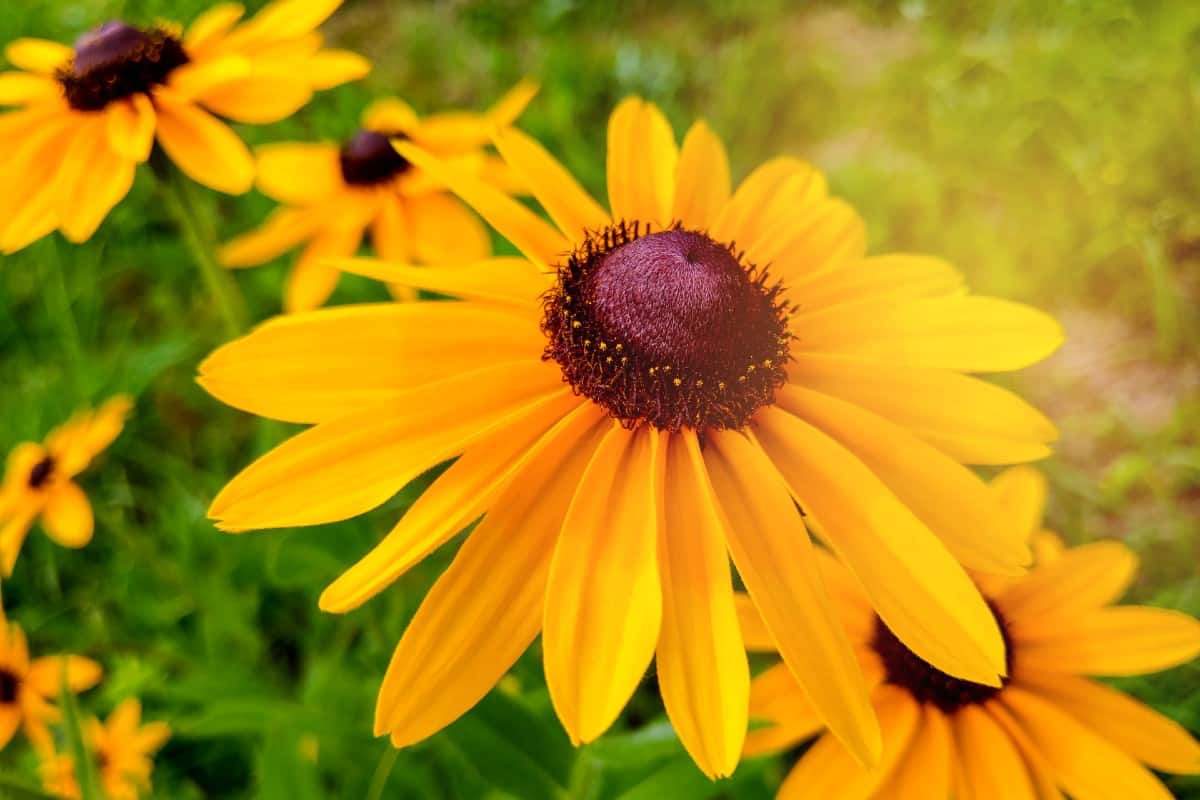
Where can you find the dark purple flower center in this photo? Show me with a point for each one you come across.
(41, 472)
(369, 158)
(118, 60)
(668, 328)
(9, 683)
(926, 683)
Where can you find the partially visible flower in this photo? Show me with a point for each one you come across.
(88, 115)
(38, 481)
(1049, 729)
(333, 195)
(123, 750)
(28, 688)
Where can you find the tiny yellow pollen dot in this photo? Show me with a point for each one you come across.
(751, 368)
(678, 382)
(608, 360)
(653, 370)
(721, 385)
(624, 359)
(699, 381)
(620, 347)
(667, 368)
(587, 342)
(603, 347)
(577, 324)
(741, 379)
(767, 363)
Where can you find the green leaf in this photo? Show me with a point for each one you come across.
(85, 768)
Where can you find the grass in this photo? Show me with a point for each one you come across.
(1047, 149)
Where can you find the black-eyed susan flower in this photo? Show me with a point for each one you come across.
(88, 115)
(333, 195)
(1049, 729)
(123, 749)
(28, 687)
(645, 393)
(38, 482)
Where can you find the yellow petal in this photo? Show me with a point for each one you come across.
(259, 99)
(389, 231)
(390, 115)
(827, 769)
(91, 181)
(212, 24)
(197, 80)
(486, 608)
(298, 173)
(641, 163)
(1084, 577)
(568, 204)
(10, 721)
(67, 517)
(39, 137)
(817, 238)
(443, 230)
(1040, 772)
(968, 334)
(1128, 640)
(1020, 497)
(23, 88)
(702, 184)
(914, 583)
(317, 366)
(925, 769)
(777, 698)
(992, 768)
(329, 68)
(775, 559)
(458, 496)
(284, 19)
(535, 238)
(13, 530)
(755, 635)
(777, 192)
(312, 280)
(507, 280)
(39, 56)
(46, 674)
(970, 420)
(283, 230)
(946, 496)
(131, 127)
(506, 110)
(1132, 726)
(898, 276)
(351, 464)
(702, 668)
(603, 599)
(203, 147)
(1087, 766)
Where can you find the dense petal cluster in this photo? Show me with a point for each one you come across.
(610, 534)
(86, 117)
(1049, 729)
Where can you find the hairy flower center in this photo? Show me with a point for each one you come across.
(668, 328)
(9, 684)
(369, 158)
(41, 472)
(926, 683)
(117, 60)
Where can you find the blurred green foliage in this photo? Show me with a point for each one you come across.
(1050, 150)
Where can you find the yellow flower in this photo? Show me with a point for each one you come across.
(332, 195)
(123, 749)
(1048, 728)
(38, 481)
(634, 401)
(88, 115)
(28, 688)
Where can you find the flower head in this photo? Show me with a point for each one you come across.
(39, 481)
(87, 115)
(28, 687)
(1047, 728)
(123, 749)
(644, 394)
(332, 195)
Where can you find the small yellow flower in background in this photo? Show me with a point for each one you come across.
(88, 116)
(28, 688)
(38, 481)
(646, 393)
(333, 195)
(1049, 729)
(123, 749)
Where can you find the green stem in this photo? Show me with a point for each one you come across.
(382, 771)
(201, 244)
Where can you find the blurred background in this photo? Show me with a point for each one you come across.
(1051, 151)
